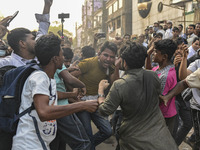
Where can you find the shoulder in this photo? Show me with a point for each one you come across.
(6, 61)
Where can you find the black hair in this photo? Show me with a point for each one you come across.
(47, 46)
(180, 40)
(15, 35)
(195, 39)
(192, 25)
(87, 52)
(109, 45)
(134, 54)
(166, 46)
(68, 54)
(159, 34)
(127, 35)
(181, 25)
(175, 29)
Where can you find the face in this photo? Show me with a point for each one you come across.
(197, 27)
(67, 62)
(169, 25)
(157, 56)
(190, 30)
(178, 51)
(107, 58)
(150, 30)
(126, 38)
(158, 38)
(195, 45)
(30, 43)
(175, 33)
(60, 60)
(180, 28)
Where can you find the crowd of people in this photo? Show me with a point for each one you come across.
(137, 80)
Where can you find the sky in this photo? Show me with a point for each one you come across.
(27, 9)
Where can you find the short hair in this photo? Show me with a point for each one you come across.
(159, 34)
(47, 46)
(126, 35)
(109, 45)
(88, 51)
(181, 25)
(166, 46)
(180, 40)
(15, 35)
(175, 29)
(134, 54)
(68, 53)
(192, 25)
(195, 39)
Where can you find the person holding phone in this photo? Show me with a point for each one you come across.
(3, 27)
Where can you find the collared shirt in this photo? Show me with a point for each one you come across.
(16, 60)
(190, 39)
(191, 52)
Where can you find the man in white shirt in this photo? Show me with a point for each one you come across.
(191, 34)
(22, 41)
(37, 90)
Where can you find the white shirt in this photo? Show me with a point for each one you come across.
(191, 52)
(168, 34)
(16, 60)
(26, 137)
(190, 39)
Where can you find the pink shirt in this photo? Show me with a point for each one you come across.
(167, 76)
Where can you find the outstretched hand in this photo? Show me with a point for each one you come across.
(163, 99)
(91, 105)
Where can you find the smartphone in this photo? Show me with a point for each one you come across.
(13, 16)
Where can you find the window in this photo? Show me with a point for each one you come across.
(120, 3)
(110, 10)
(115, 6)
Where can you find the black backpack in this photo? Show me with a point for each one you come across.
(10, 100)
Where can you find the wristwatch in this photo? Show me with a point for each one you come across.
(101, 95)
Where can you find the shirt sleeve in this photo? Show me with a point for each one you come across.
(193, 66)
(112, 101)
(44, 23)
(193, 80)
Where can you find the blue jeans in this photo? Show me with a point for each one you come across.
(72, 132)
(102, 123)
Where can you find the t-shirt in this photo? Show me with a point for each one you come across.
(92, 74)
(195, 101)
(60, 85)
(26, 138)
(168, 79)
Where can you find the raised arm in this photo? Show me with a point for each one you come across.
(43, 19)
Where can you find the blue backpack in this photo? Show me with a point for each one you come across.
(10, 99)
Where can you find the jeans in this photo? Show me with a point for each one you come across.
(72, 132)
(102, 123)
(185, 116)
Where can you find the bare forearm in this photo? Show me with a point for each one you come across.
(56, 112)
(183, 69)
(180, 86)
(65, 95)
(148, 63)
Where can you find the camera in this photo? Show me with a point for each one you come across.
(63, 15)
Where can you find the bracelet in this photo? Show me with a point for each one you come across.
(101, 95)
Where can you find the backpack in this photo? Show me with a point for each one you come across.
(10, 99)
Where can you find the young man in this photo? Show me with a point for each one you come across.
(191, 35)
(137, 93)
(22, 41)
(70, 128)
(92, 71)
(40, 89)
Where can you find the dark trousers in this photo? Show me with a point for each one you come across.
(170, 123)
(70, 131)
(183, 122)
